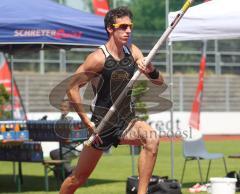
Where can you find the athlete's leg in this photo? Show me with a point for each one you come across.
(86, 164)
(140, 133)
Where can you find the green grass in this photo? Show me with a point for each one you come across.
(112, 171)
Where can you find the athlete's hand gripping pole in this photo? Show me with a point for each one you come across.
(136, 75)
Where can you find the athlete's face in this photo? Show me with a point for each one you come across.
(122, 29)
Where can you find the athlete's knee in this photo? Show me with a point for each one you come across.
(148, 136)
(152, 142)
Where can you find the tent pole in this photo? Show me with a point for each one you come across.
(217, 58)
(204, 54)
(166, 25)
(171, 110)
(62, 60)
(12, 87)
(133, 159)
(169, 71)
(42, 65)
(204, 51)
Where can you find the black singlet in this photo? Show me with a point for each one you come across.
(112, 80)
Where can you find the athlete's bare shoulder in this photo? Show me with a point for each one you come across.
(136, 52)
(93, 63)
(98, 56)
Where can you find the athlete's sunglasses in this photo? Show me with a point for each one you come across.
(123, 26)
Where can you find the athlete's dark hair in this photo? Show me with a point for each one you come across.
(113, 14)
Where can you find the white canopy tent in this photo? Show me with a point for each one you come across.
(216, 19)
(212, 20)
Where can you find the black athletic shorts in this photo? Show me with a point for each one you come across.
(111, 134)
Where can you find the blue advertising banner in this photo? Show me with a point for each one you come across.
(44, 22)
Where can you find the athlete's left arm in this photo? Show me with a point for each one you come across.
(149, 70)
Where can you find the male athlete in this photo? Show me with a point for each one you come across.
(109, 68)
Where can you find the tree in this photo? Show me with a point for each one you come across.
(4, 100)
(151, 15)
(148, 15)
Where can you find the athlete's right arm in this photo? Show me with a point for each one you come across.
(89, 69)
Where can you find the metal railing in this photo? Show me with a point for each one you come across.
(220, 57)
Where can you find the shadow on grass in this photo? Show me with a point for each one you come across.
(37, 183)
(92, 182)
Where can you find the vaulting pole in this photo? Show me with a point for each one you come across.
(137, 74)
